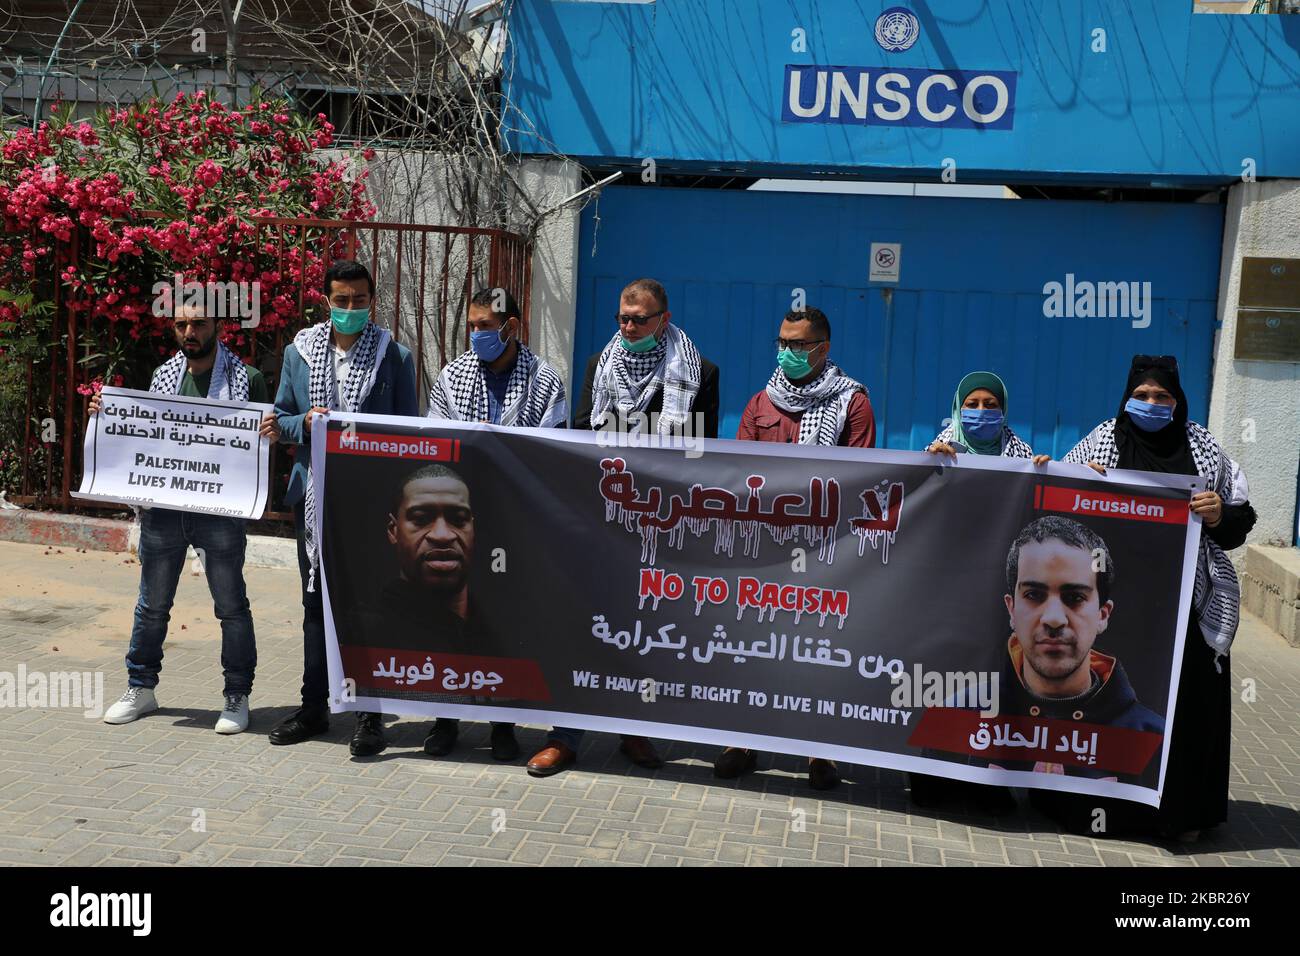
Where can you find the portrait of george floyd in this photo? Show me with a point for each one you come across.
(414, 560)
(427, 602)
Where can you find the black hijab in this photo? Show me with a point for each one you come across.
(1166, 450)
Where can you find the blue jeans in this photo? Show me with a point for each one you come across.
(164, 537)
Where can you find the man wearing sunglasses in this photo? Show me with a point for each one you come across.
(203, 368)
(649, 379)
(807, 400)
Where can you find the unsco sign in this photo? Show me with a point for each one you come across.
(883, 96)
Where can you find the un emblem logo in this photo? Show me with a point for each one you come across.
(897, 29)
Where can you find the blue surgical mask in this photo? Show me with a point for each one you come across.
(488, 345)
(349, 321)
(982, 424)
(1148, 417)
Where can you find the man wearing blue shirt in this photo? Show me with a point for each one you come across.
(347, 364)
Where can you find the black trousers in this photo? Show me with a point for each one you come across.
(315, 673)
(1195, 795)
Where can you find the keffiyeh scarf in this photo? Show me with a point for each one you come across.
(316, 347)
(626, 382)
(823, 403)
(534, 393)
(1216, 596)
(229, 381)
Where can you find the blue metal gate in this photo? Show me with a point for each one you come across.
(970, 295)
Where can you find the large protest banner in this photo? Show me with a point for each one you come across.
(985, 620)
(169, 451)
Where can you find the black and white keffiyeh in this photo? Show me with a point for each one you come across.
(316, 347)
(229, 381)
(1013, 446)
(822, 404)
(534, 393)
(626, 382)
(1216, 596)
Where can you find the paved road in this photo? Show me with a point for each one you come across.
(166, 789)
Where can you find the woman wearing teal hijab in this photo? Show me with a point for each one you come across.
(979, 422)
(979, 427)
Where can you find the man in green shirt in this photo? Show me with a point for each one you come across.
(196, 384)
(203, 368)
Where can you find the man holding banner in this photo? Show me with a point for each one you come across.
(347, 364)
(203, 368)
(808, 400)
(763, 597)
(499, 380)
(651, 379)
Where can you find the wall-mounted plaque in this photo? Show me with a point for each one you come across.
(1268, 336)
(1269, 283)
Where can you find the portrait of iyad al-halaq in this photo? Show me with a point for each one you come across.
(1061, 606)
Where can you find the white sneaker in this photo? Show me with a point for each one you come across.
(234, 718)
(136, 702)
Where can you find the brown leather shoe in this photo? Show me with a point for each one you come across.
(641, 752)
(551, 759)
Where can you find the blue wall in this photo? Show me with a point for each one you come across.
(969, 297)
(700, 84)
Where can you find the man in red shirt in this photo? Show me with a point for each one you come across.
(810, 401)
(806, 380)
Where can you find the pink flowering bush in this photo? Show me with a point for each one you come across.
(148, 191)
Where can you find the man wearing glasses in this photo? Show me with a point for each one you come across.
(649, 379)
(203, 368)
(347, 364)
(808, 400)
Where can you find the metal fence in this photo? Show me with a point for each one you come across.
(424, 276)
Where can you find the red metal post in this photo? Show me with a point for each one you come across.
(397, 283)
(442, 300)
(419, 319)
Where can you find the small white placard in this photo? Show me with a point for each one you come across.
(886, 260)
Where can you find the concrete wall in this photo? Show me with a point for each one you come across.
(426, 189)
(1263, 219)
(1270, 588)
(555, 260)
